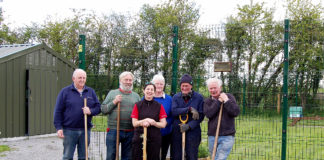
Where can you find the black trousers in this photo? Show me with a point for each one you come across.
(152, 148)
(166, 142)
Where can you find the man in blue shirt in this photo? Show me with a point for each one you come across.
(69, 114)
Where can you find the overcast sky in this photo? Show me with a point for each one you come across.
(23, 12)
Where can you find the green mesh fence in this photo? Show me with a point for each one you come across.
(256, 81)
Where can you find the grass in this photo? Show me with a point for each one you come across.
(259, 136)
(4, 148)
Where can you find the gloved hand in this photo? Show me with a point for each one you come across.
(195, 114)
(184, 127)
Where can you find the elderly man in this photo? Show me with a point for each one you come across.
(227, 128)
(127, 99)
(186, 103)
(69, 114)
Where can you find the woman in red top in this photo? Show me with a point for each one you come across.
(151, 114)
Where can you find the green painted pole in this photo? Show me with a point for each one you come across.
(244, 92)
(174, 61)
(81, 51)
(285, 92)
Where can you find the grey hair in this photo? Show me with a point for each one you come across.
(78, 70)
(214, 80)
(158, 77)
(124, 74)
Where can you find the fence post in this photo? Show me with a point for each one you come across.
(285, 92)
(174, 61)
(81, 51)
(244, 92)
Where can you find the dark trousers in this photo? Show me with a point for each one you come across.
(166, 142)
(153, 145)
(193, 138)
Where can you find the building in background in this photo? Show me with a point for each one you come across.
(30, 78)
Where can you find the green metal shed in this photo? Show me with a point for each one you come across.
(30, 78)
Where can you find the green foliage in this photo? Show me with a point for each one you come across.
(203, 151)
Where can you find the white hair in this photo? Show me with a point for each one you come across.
(214, 80)
(158, 77)
(124, 74)
(77, 71)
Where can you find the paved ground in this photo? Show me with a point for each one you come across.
(47, 147)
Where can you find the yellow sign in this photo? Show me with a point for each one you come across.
(80, 48)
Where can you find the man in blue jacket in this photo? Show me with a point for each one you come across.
(186, 102)
(69, 114)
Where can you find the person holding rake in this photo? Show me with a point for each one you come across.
(149, 114)
(225, 102)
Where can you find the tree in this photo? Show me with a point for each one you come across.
(306, 58)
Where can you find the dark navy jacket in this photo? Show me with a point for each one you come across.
(68, 111)
(179, 107)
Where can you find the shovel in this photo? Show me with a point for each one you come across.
(183, 136)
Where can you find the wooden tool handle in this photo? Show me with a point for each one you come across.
(86, 130)
(117, 136)
(144, 143)
(217, 131)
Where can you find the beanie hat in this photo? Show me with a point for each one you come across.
(186, 78)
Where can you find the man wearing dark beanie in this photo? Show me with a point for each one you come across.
(186, 102)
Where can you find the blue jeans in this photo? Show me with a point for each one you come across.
(73, 138)
(224, 146)
(125, 138)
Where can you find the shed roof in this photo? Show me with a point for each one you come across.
(8, 52)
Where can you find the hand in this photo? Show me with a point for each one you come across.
(145, 123)
(184, 127)
(86, 110)
(223, 97)
(195, 114)
(151, 121)
(118, 99)
(60, 133)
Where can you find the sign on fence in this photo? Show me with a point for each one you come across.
(295, 111)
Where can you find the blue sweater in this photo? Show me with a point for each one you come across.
(68, 113)
(166, 102)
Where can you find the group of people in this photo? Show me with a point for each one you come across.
(166, 118)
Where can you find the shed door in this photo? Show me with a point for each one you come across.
(42, 86)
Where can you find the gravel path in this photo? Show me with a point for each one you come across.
(48, 147)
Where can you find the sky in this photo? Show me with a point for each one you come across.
(18, 13)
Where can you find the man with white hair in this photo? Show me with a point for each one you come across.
(127, 99)
(69, 114)
(231, 110)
